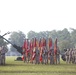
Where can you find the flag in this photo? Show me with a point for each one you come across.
(50, 43)
(31, 49)
(24, 44)
(55, 47)
(40, 45)
(35, 44)
(55, 51)
(24, 49)
(27, 44)
(43, 42)
(27, 47)
(31, 45)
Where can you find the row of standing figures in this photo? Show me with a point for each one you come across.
(70, 56)
(41, 56)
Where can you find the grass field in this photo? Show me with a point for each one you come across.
(19, 68)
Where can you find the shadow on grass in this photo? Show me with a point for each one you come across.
(35, 72)
(30, 64)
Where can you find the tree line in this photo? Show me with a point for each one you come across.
(66, 38)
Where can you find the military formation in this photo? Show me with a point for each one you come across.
(70, 56)
(41, 51)
(3, 50)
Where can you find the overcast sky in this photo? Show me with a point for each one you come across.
(37, 15)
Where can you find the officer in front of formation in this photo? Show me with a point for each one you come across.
(3, 50)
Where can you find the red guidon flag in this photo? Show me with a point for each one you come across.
(35, 44)
(43, 42)
(24, 44)
(55, 51)
(50, 43)
(55, 47)
(24, 49)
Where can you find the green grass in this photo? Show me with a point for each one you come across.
(19, 68)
